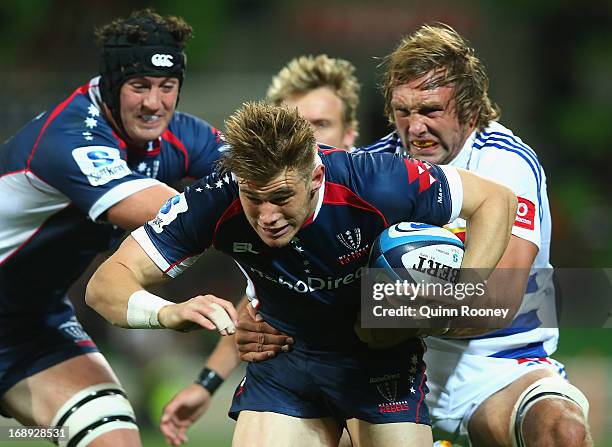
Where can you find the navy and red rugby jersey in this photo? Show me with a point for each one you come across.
(310, 288)
(58, 176)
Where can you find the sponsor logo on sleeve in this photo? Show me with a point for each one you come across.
(100, 164)
(525, 214)
(168, 212)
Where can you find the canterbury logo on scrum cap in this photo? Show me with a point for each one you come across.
(162, 60)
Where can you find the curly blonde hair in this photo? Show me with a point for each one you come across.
(306, 73)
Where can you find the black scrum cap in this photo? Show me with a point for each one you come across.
(150, 51)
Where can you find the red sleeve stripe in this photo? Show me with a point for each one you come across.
(79, 91)
(329, 151)
(336, 194)
(171, 266)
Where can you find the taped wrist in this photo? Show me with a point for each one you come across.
(210, 380)
(143, 308)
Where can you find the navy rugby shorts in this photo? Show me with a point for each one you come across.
(32, 342)
(378, 386)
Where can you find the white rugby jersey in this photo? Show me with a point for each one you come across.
(498, 154)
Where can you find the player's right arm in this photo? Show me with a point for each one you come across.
(117, 292)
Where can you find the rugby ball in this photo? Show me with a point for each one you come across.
(417, 252)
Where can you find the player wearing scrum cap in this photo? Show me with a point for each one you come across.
(98, 160)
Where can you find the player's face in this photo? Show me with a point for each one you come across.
(324, 111)
(278, 209)
(147, 104)
(427, 122)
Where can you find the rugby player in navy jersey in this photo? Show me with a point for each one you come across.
(277, 207)
(501, 389)
(325, 91)
(70, 180)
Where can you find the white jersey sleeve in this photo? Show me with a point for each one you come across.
(522, 174)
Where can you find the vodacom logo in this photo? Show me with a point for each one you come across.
(162, 60)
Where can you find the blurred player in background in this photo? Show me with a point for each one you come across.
(276, 208)
(325, 91)
(502, 389)
(70, 181)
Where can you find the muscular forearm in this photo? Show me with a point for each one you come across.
(488, 230)
(225, 357)
(109, 290)
(127, 271)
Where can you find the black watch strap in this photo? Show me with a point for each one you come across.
(210, 380)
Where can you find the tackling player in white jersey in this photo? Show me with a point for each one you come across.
(501, 389)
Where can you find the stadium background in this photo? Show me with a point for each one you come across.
(550, 66)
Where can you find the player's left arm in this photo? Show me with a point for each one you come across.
(489, 209)
(136, 209)
(506, 286)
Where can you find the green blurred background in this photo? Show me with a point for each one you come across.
(550, 64)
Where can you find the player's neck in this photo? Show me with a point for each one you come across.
(119, 132)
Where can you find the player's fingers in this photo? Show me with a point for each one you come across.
(202, 320)
(182, 435)
(220, 317)
(257, 356)
(252, 326)
(168, 431)
(229, 309)
(261, 338)
(258, 347)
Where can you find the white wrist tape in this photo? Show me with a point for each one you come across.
(143, 308)
(221, 319)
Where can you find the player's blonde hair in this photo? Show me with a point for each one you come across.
(264, 140)
(454, 63)
(306, 73)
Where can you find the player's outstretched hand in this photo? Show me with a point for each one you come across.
(182, 411)
(256, 339)
(202, 311)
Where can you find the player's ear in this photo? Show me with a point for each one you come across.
(318, 173)
(348, 140)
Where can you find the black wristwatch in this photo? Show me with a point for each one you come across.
(210, 380)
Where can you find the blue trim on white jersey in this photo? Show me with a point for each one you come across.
(532, 284)
(389, 143)
(521, 149)
(522, 323)
(531, 350)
